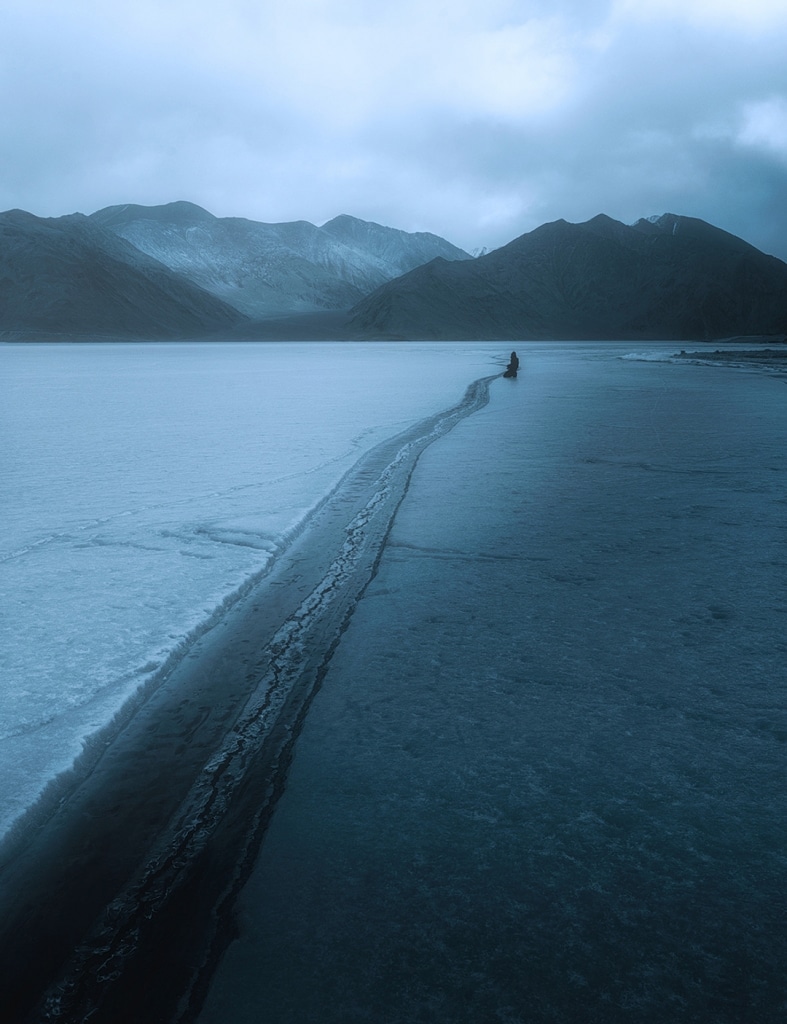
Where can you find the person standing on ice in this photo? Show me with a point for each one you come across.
(513, 366)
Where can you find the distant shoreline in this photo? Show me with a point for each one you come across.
(333, 326)
(763, 355)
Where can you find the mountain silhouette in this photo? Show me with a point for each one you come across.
(177, 271)
(669, 278)
(68, 276)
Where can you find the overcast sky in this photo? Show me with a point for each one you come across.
(475, 119)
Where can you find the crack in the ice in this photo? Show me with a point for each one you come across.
(100, 962)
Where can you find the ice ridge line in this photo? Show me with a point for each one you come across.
(291, 668)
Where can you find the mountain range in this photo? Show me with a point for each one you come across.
(66, 276)
(669, 278)
(273, 269)
(177, 271)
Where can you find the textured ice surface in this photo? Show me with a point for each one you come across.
(143, 485)
(544, 778)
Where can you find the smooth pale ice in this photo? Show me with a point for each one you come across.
(143, 485)
(543, 780)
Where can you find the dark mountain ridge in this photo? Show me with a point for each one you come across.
(667, 278)
(67, 275)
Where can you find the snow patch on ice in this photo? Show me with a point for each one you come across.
(651, 356)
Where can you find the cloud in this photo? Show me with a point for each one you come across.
(715, 15)
(476, 119)
(764, 126)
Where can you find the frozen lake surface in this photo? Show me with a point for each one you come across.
(145, 486)
(543, 780)
(543, 777)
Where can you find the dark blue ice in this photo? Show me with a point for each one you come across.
(543, 780)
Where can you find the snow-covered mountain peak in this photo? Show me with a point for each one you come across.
(273, 269)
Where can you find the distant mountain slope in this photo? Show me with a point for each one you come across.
(273, 269)
(67, 275)
(671, 278)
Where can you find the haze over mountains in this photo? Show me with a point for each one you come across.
(177, 271)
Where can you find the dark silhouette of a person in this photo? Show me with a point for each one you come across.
(513, 366)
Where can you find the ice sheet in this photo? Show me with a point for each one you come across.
(144, 487)
(543, 778)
